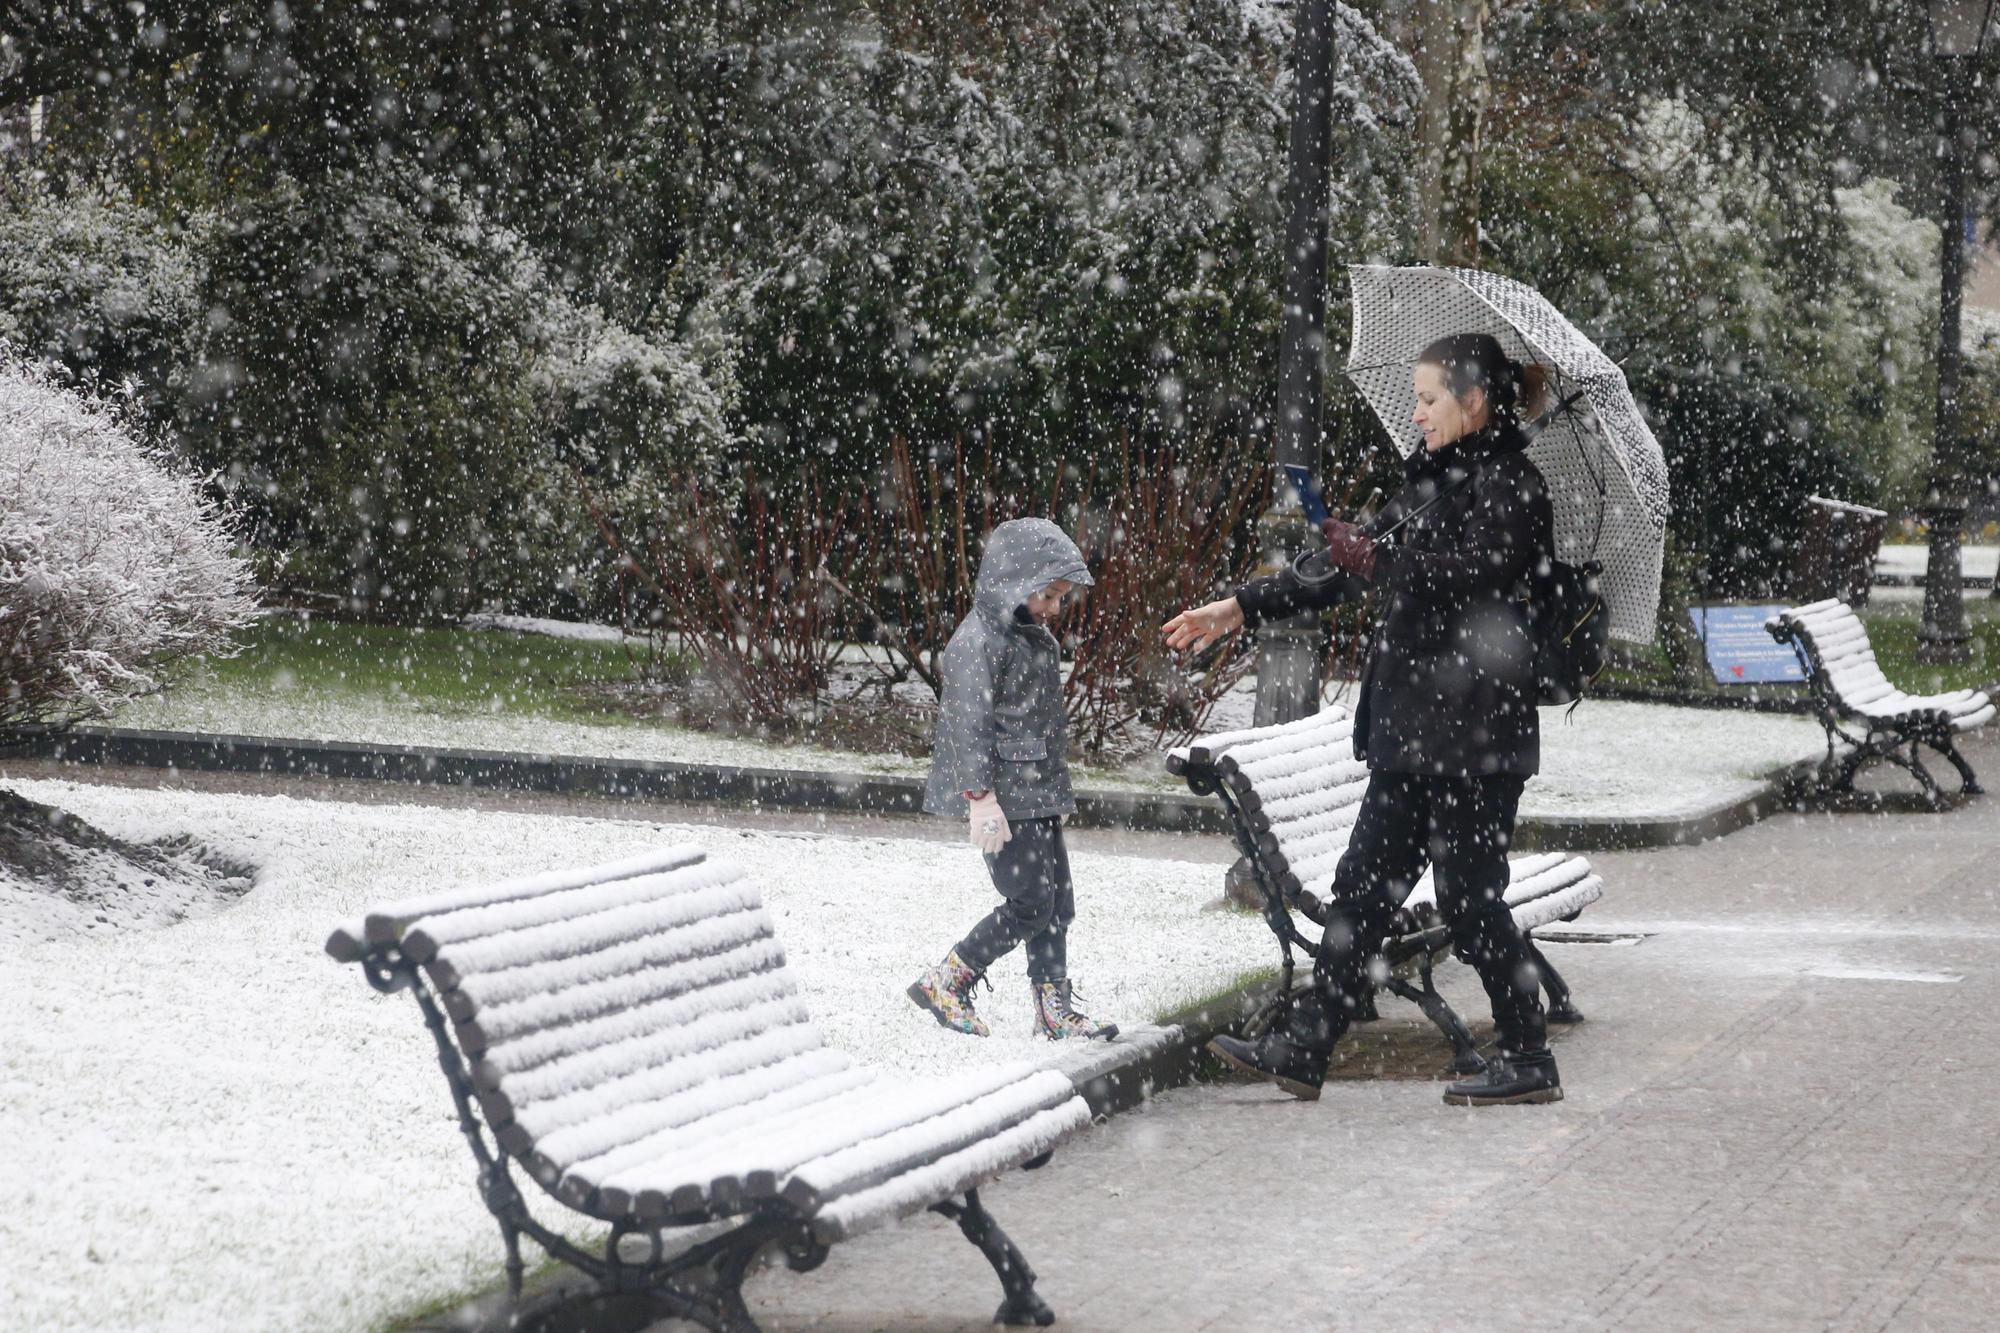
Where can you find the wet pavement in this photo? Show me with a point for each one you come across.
(1779, 1116)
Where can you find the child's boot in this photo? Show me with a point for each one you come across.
(1056, 1017)
(946, 990)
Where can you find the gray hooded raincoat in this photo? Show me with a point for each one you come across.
(1000, 720)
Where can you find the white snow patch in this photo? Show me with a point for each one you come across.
(228, 1129)
(577, 631)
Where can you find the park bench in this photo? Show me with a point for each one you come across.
(629, 1036)
(1857, 705)
(1292, 792)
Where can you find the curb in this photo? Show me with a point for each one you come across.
(623, 779)
(779, 789)
(1112, 1079)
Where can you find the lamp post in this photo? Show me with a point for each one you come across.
(1957, 31)
(1288, 651)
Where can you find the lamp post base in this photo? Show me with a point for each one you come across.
(1942, 638)
(1288, 651)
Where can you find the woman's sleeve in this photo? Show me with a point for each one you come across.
(963, 751)
(1284, 593)
(1497, 550)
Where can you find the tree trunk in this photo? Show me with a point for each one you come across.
(1450, 50)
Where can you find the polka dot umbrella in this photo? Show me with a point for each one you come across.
(1606, 474)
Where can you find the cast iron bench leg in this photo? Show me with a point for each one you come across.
(1021, 1306)
(1561, 1008)
(1465, 1057)
(1968, 784)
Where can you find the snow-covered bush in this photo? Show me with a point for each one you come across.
(114, 569)
(397, 389)
(93, 281)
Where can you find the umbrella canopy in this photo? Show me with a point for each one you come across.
(1607, 477)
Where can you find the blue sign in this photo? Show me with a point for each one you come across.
(1740, 650)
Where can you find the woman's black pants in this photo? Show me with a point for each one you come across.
(1037, 903)
(1460, 828)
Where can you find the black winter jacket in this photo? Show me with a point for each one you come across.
(1449, 685)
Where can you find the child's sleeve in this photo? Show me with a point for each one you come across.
(963, 752)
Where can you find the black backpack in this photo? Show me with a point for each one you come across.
(1572, 630)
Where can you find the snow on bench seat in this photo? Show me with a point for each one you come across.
(1838, 641)
(1299, 787)
(634, 1040)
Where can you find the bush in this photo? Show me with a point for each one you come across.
(93, 282)
(114, 570)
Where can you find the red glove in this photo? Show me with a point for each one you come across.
(1349, 548)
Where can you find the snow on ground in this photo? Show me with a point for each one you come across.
(579, 631)
(215, 1125)
(1636, 760)
(1907, 564)
(1608, 757)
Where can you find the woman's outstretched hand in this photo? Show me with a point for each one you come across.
(1196, 628)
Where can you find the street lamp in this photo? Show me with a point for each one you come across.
(1957, 31)
(1288, 650)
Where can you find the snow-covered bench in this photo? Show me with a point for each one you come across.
(1292, 792)
(1848, 687)
(630, 1037)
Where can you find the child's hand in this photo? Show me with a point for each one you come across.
(988, 829)
(1200, 626)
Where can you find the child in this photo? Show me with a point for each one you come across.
(999, 761)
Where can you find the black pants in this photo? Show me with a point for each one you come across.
(1461, 829)
(1037, 903)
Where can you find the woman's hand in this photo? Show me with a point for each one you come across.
(1202, 625)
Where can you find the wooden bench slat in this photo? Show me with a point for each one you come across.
(869, 1162)
(694, 1028)
(427, 935)
(693, 1086)
(785, 1101)
(385, 924)
(733, 945)
(482, 993)
(545, 1053)
(890, 1106)
(586, 935)
(913, 1191)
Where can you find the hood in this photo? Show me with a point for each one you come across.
(1023, 556)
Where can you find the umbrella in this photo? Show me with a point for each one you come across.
(1607, 477)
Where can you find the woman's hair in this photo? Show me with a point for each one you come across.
(1474, 360)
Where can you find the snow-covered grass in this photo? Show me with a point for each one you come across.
(214, 1125)
(490, 691)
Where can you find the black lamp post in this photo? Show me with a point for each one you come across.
(1288, 651)
(1958, 31)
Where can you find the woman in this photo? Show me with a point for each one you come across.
(1446, 718)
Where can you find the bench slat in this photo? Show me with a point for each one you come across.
(693, 1027)
(385, 924)
(613, 1038)
(890, 1107)
(868, 1163)
(429, 934)
(729, 946)
(786, 1097)
(690, 1088)
(588, 934)
(969, 1168)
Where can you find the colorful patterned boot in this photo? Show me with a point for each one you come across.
(946, 990)
(1056, 1018)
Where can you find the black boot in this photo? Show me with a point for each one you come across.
(1292, 1055)
(1510, 1080)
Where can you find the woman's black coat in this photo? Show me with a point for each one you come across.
(1449, 687)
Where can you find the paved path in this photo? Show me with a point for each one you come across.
(1780, 1116)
